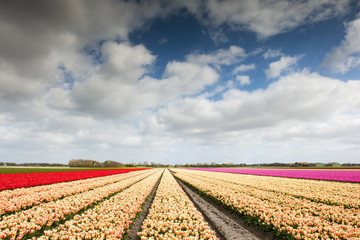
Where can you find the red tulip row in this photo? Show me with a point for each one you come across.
(20, 180)
(286, 215)
(22, 198)
(39, 217)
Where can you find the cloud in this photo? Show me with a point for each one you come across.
(268, 18)
(346, 56)
(218, 36)
(244, 68)
(39, 37)
(271, 53)
(243, 79)
(229, 56)
(163, 40)
(299, 105)
(124, 62)
(277, 68)
(120, 88)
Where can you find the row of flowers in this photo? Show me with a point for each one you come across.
(20, 180)
(111, 218)
(173, 216)
(337, 214)
(330, 175)
(286, 215)
(22, 198)
(45, 215)
(334, 193)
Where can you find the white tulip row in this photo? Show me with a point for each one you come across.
(173, 216)
(332, 213)
(44, 215)
(328, 192)
(17, 199)
(110, 219)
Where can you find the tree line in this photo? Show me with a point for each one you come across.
(93, 163)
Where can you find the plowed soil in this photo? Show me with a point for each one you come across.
(227, 224)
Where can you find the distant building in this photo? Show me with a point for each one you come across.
(301, 164)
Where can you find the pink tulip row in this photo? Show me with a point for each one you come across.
(21, 198)
(44, 215)
(111, 218)
(334, 193)
(285, 214)
(328, 175)
(173, 216)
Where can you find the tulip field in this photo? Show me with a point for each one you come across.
(173, 216)
(106, 206)
(291, 208)
(331, 175)
(20, 180)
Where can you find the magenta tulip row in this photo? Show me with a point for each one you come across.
(330, 175)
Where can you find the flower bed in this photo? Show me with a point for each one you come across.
(286, 215)
(330, 175)
(20, 180)
(109, 219)
(48, 214)
(22, 198)
(328, 192)
(173, 216)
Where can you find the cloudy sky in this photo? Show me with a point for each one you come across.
(249, 81)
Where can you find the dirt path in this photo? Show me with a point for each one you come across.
(136, 226)
(227, 224)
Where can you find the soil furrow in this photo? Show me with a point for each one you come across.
(136, 225)
(227, 224)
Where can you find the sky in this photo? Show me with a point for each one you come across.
(175, 82)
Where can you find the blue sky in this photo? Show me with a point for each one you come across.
(180, 81)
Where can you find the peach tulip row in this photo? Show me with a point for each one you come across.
(29, 221)
(22, 198)
(173, 216)
(329, 192)
(334, 213)
(284, 214)
(110, 219)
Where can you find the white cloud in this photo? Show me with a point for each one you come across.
(39, 37)
(267, 18)
(298, 106)
(271, 53)
(229, 56)
(218, 36)
(244, 68)
(346, 56)
(120, 87)
(243, 79)
(124, 62)
(277, 68)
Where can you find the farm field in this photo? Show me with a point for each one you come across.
(291, 208)
(106, 207)
(344, 175)
(29, 179)
(22, 169)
